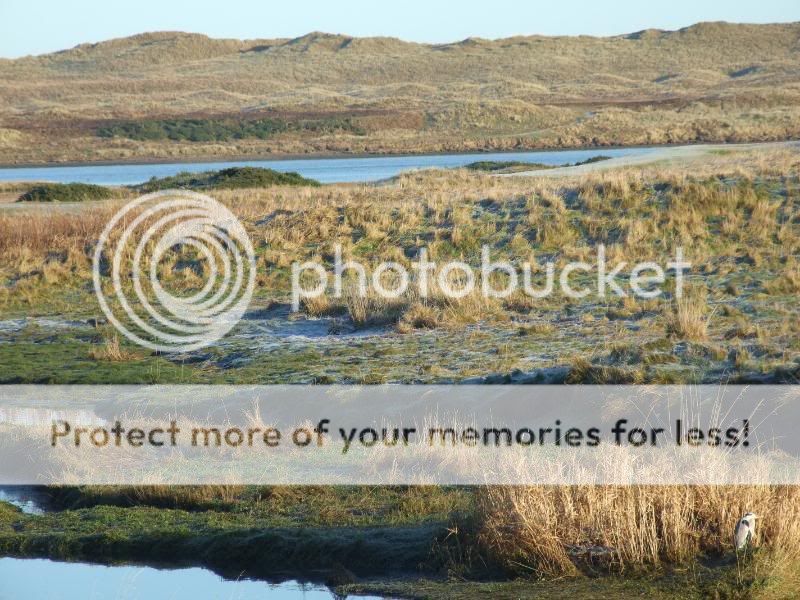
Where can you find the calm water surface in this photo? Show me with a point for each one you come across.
(36, 579)
(325, 170)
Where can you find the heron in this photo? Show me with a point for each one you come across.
(745, 529)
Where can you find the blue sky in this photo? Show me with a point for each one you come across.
(35, 27)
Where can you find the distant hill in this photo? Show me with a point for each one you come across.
(327, 93)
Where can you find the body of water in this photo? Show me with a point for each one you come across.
(22, 579)
(29, 500)
(325, 170)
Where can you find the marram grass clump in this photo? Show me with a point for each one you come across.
(553, 531)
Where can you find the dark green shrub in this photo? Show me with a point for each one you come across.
(591, 160)
(504, 165)
(66, 192)
(226, 179)
(221, 130)
(515, 166)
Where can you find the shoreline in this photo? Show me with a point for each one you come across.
(279, 157)
(646, 155)
(666, 153)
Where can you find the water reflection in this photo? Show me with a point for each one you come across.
(46, 579)
(325, 170)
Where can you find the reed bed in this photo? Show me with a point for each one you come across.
(554, 530)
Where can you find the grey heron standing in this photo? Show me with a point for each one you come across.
(745, 529)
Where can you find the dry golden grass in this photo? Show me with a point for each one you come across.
(318, 306)
(539, 328)
(371, 308)
(452, 213)
(788, 282)
(418, 316)
(549, 530)
(112, 351)
(47, 231)
(189, 497)
(687, 318)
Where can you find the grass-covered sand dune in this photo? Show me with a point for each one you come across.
(138, 97)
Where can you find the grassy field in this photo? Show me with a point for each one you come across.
(432, 542)
(136, 97)
(737, 216)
